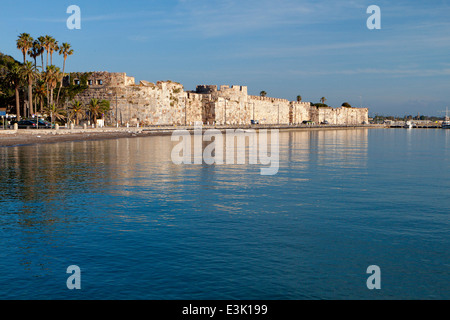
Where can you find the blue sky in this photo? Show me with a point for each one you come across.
(285, 47)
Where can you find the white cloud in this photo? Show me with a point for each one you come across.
(218, 18)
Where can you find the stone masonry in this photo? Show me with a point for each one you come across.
(166, 103)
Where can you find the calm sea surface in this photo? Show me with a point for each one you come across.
(141, 227)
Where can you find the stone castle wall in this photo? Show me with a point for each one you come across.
(166, 103)
(270, 110)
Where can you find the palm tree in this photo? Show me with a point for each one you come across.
(98, 108)
(323, 99)
(40, 92)
(94, 109)
(78, 111)
(263, 93)
(53, 47)
(299, 98)
(47, 43)
(24, 43)
(55, 112)
(14, 78)
(35, 51)
(42, 47)
(52, 75)
(66, 51)
(29, 73)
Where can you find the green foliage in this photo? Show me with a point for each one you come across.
(98, 108)
(320, 105)
(105, 106)
(346, 105)
(77, 111)
(7, 97)
(70, 90)
(55, 113)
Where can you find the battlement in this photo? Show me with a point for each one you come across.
(302, 104)
(269, 99)
(233, 88)
(224, 89)
(206, 89)
(166, 102)
(101, 79)
(194, 96)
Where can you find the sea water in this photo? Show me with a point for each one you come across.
(141, 227)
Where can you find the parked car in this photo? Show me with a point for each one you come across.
(27, 124)
(44, 124)
(325, 122)
(308, 122)
(33, 124)
(255, 122)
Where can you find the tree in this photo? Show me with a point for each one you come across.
(263, 93)
(52, 75)
(299, 98)
(56, 113)
(53, 47)
(66, 51)
(14, 78)
(346, 105)
(47, 43)
(323, 99)
(24, 43)
(78, 111)
(41, 41)
(29, 73)
(40, 92)
(320, 105)
(35, 51)
(98, 108)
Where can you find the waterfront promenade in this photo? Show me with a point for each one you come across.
(37, 136)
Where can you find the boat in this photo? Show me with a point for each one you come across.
(408, 125)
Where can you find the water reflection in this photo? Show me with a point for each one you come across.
(51, 191)
(42, 174)
(338, 148)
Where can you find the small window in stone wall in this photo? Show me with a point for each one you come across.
(76, 82)
(90, 82)
(99, 82)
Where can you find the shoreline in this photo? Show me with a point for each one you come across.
(12, 138)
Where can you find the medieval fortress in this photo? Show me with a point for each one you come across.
(166, 103)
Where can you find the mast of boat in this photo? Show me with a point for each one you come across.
(446, 119)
